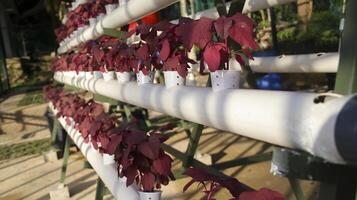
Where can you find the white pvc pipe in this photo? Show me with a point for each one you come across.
(136, 9)
(249, 6)
(305, 63)
(133, 10)
(308, 63)
(108, 173)
(255, 5)
(288, 119)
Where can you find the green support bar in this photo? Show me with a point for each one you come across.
(346, 83)
(244, 161)
(194, 140)
(346, 80)
(65, 159)
(99, 194)
(56, 127)
(4, 79)
(295, 185)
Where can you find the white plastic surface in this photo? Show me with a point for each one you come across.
(110, 75)
(289, 119)
(108, 159)
(149, 195)
(123, 77)
(143, 79)
(225, 79)
(172, 79)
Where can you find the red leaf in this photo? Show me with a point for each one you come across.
(130, 174)
(248, 53)
(104, 140)
(165, 50)
(233, 185)
(197, 32)
(135, 137)
(149, 150)
(212, 57)
(98, 53)
(242, 31)
(262, 194)
(188, 185)
(222, 25)
(200, 175)
(163, 164)
(148, 182)
(143, 52)
(114, 142)
(182, 70)
(68, 121)
(240, 60)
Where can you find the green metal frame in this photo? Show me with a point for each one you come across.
(4, 79)
(65, 159)
(99, 193)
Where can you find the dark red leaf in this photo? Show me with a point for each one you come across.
(188, 185)
(115, 140)
(212, 57)
(148, 182)
(98, 53)
(222, 25)
(163, 164)
(262, 194)
(198, 32)
(233, 185)
(130, 173)
(165, 50)
(136, 137)
(242, 31)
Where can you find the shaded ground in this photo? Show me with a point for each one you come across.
(22, 123)
(29, 177)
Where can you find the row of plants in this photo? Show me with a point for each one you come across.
(165, 46)
(82, 16)
(137, 153)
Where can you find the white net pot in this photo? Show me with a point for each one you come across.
(97, 74)
(81, 74)
(108, 159)
(142, 79)
(110, 75)
(123, 2)
(172, 78)
(225, 79)
(72, 74)
(110, 8)
(123, 77)
(150, 195)
(89, 75)
(92, 21)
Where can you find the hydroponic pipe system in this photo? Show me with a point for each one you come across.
(108, 173)
(290, 119)
(135, 9)
(306, 63)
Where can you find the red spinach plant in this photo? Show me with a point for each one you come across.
(213, 184)
(173, 55)
(80, 16)
(140, 157)
(144, 55)
(103, 53)
(213, 36)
